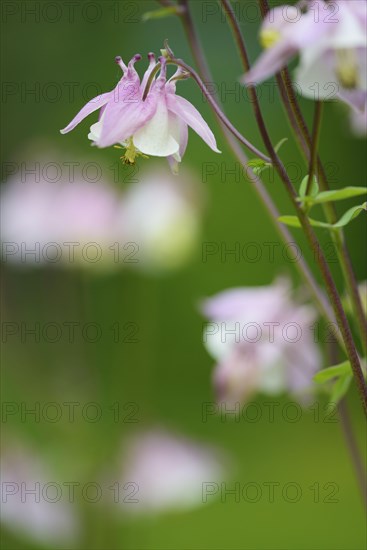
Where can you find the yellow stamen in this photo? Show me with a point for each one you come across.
(131, 152)
(269, 37)
(347, 68)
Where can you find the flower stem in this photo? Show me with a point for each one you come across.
(315, 143)
(353, 448)
(301, 132)
(347, 430)
(218, 111)
(299, 125)
(172, 60)
(305, 223)
(149, 83)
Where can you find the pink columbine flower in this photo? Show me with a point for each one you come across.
(169, 472)
(262, 341)
(145, 122)
(331, 41)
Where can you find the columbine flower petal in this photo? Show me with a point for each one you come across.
(283, 33)
(149, 70)
(127, 120)
(187, 112)
(90, 107)
(124, 113)
(269, 63)
(175, 159)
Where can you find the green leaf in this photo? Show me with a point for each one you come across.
(279, 144)
(292, 221)
(350, 215)
(346, 218)
(336, 195)
(340, 388)
(303, 188)
(344, 376)
(258, 165)
(332, 372)
(161, 13)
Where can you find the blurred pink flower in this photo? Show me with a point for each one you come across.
(155, 125)
(53, 223)
(262, 341)
(168, 472)
(26, 505)
(153, 226)
(331, 40)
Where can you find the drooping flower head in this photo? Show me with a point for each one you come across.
(331, 41)
(145, 117)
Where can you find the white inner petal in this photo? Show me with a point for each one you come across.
(315, 76)
(160, 136)
(96, 129)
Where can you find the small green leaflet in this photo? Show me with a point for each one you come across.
(259, 165)
(335, 195)
(291, 221)
(346, 218)
(303, 187)
(350, 215)
(340, 388)
(160, 14)
(279, 144)
(343, 375)
(332, 372)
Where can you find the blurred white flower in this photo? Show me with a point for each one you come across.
(152, 226)
(168, 472)
(160, 214)
(262, 341)
(26, 503)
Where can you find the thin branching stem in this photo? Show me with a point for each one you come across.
(304, 140)
(220, 114)
(314, 145)
(305, 223)
(264, 196)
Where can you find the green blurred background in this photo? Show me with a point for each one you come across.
(167, 372)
